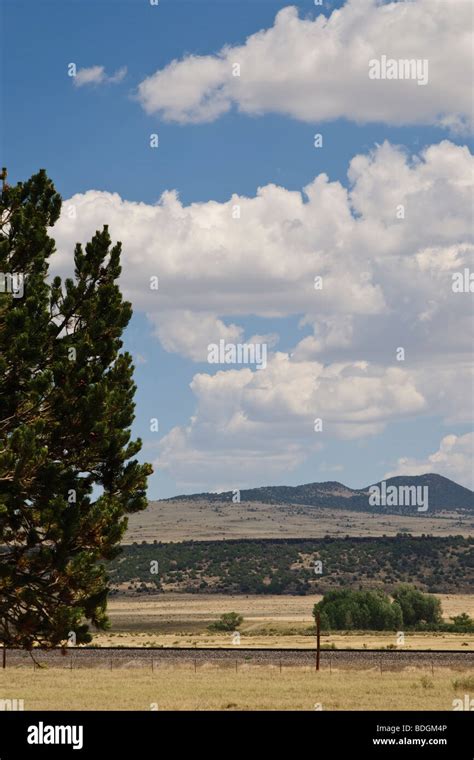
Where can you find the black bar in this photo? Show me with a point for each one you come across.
(445, 734)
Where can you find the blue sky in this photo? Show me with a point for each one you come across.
(97, 138)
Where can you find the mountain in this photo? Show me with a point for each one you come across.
(414, 494)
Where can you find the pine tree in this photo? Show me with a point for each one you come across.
(67, 473)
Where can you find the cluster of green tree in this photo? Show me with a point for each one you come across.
(373, 610)
(290, 566)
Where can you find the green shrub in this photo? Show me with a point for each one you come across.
(466, 683)
(229, 621)
(463, 623)
(426, 682)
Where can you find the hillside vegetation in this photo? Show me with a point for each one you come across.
(297, 566)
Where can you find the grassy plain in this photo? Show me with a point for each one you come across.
(269, 621)
(178, 687)
(169, 521)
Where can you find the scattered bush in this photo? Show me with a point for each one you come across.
(282, 566)
(426, 682)
(463, 623)
(466, 683)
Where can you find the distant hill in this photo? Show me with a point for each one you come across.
(438, 492)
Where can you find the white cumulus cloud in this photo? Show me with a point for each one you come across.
(384, 279)
(318, 69)
(257, 425)
(453, 459)
(386, 285)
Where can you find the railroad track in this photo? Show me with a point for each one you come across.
(154, 657)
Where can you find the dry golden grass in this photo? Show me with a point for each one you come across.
(442, 641)
(454, 604)
(269, 608)
(269, 621)
(184, 520)
(218, 688)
